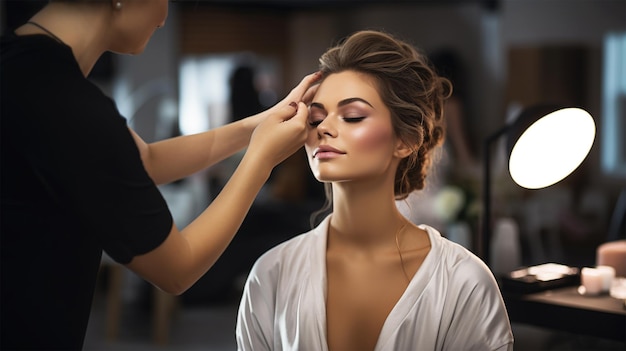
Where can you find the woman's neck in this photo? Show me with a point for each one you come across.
(365, 217)
(79, 26)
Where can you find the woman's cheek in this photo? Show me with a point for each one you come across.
(311, 140)
(371, 137)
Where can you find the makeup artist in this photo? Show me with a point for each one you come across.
(76, 180)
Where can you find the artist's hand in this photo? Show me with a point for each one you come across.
(281, 134)
(304, 91)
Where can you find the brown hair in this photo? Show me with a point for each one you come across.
(411, 89)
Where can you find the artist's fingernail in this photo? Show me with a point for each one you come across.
(293, 104)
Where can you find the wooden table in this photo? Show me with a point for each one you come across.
(566, 310)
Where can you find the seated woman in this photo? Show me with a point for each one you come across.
(366, 278)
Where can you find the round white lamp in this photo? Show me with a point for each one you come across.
(545, 144)
(551, 148)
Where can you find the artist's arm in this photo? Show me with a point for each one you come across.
(187, 254)
(175, 158)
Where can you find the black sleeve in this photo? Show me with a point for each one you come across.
(81, 149)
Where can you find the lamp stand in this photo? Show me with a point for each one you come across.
(484, 239)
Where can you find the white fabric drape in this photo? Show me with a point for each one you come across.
(452, 303)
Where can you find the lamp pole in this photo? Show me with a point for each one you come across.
(484, 239)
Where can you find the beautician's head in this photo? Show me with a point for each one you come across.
(409, 89)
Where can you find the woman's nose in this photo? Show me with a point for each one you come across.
(326, 127)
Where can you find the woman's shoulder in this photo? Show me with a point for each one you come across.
(460, 263)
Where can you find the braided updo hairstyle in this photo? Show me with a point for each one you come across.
(409, 87)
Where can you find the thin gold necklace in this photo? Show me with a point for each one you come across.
(45, 30)
(400, 253)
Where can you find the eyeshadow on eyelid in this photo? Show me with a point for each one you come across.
(355, 113)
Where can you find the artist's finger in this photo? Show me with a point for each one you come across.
(299, 91)
(307, 98)
(286, 112)
(302, 113)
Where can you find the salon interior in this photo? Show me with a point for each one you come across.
(547, 245)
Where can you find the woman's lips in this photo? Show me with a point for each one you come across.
(326, 152)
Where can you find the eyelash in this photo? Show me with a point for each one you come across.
(346, 119)
(353, 119)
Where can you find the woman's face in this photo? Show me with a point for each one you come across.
(136, 22)
(350, 131)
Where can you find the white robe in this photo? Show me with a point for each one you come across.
(452, 303)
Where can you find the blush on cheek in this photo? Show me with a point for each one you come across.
(372, 138)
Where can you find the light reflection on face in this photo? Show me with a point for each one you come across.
(352, 126)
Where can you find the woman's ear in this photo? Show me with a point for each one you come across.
(402, 150)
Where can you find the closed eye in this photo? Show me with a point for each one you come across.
(353, 119)
(315, 123)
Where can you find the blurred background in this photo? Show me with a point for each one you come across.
(218, 61)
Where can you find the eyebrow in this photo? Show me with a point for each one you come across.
(343, 103)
